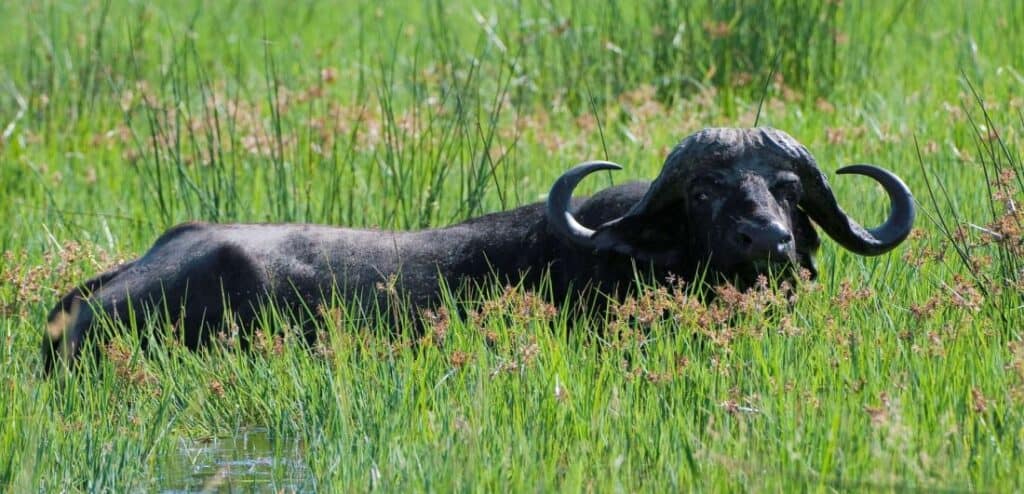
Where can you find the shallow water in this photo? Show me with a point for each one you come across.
(250, 461)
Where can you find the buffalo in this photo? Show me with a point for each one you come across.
(729, 204)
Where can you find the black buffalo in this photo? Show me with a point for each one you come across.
(729, 203)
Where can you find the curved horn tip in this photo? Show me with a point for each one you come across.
(902, 210)
(558, 215)
(867, 169)
(597, 165)
(889, 180)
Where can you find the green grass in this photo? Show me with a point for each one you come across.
(906, 371)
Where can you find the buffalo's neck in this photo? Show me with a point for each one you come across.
(509, 247)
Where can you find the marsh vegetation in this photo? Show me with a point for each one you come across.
(905, 371)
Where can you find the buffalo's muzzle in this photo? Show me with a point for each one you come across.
(763, 240)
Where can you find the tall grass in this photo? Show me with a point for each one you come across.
(900, 372)
(989, 247)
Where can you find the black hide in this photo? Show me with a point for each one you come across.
(194, 269)
(729, 204)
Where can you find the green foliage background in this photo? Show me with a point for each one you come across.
(119, 119)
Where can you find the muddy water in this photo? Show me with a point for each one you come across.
(250, 461)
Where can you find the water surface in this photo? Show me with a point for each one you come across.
(250, 461)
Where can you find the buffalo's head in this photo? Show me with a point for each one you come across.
(737, 203)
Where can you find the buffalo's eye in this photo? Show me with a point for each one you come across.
(703, 188)
(787, 190)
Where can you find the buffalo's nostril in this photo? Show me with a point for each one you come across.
(765, 239)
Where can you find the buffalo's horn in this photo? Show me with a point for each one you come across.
(559, 218)
(820, 204)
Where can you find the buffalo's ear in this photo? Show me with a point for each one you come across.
(654, 238)
(807, 242)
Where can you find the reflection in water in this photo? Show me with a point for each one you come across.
(251, 461)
